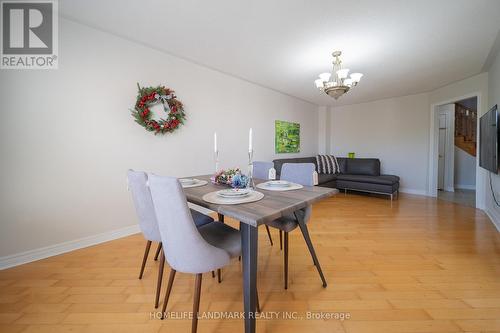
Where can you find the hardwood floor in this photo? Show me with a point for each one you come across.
(420, 265)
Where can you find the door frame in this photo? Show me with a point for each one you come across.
(433, 149)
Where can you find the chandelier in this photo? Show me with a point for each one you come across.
(337, 83)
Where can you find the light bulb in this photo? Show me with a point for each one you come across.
(342, 73)
(319, 83)
(356, 77)
(325, 76)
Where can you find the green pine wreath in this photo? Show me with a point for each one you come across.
(149, 96)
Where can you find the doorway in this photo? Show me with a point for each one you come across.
(457, 151)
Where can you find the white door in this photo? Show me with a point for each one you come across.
(441, 150)
(446, 147)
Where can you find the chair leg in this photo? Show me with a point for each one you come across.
(269, 235)
(219, 275)
(167, 293)
(145, 258)
(213, 274)
(158, 249)
(196, 303)
(307, 238)
(285, 257)
(281, 240)
(160, 278)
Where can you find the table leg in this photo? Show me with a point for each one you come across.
(249, 236)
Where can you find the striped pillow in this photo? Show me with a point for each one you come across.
(327, 164)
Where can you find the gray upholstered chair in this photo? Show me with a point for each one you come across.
(300, 173)
(260, 170)
(143, 203)
(189, 249)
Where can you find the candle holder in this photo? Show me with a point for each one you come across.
(216, 160)
(250, 183)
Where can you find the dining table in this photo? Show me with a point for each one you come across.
(273, 205)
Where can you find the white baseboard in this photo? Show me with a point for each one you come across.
(49, 251)
(494, 217)
(413, 191)
(465, 187)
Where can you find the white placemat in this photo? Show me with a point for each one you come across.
(293, 186)
(198, 183)
(212, 197)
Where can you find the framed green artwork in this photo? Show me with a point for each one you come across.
(286, 137)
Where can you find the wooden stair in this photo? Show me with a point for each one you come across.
(467, 146)
(465, 129)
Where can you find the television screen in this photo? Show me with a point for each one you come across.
(488, 143)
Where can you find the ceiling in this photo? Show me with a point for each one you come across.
(402, 47)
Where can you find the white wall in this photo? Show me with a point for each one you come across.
(322, 129)
(465, 170)
(394, 130)
(493, 98)
(67, 136)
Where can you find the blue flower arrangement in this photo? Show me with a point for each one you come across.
(239, 181)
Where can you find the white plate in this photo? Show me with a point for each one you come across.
(188, 181)
(214, 198)
(278, 183)
(233, 193)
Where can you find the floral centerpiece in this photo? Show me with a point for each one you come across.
(230, 177)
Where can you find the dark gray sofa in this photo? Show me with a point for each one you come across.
(358, 174)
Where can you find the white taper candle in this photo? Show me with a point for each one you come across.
(215, 142)
(250, 141)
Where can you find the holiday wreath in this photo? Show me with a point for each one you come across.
(149, 96)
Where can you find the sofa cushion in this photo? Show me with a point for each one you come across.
(383, 179)
(325, 178)
(327, 164)
(363, 166)
(279, 162)
(342, 161)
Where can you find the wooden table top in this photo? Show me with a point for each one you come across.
(274, 204)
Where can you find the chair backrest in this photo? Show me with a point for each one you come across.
(300, 173)
(185, 249)
(261, 169)
(137, 183)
